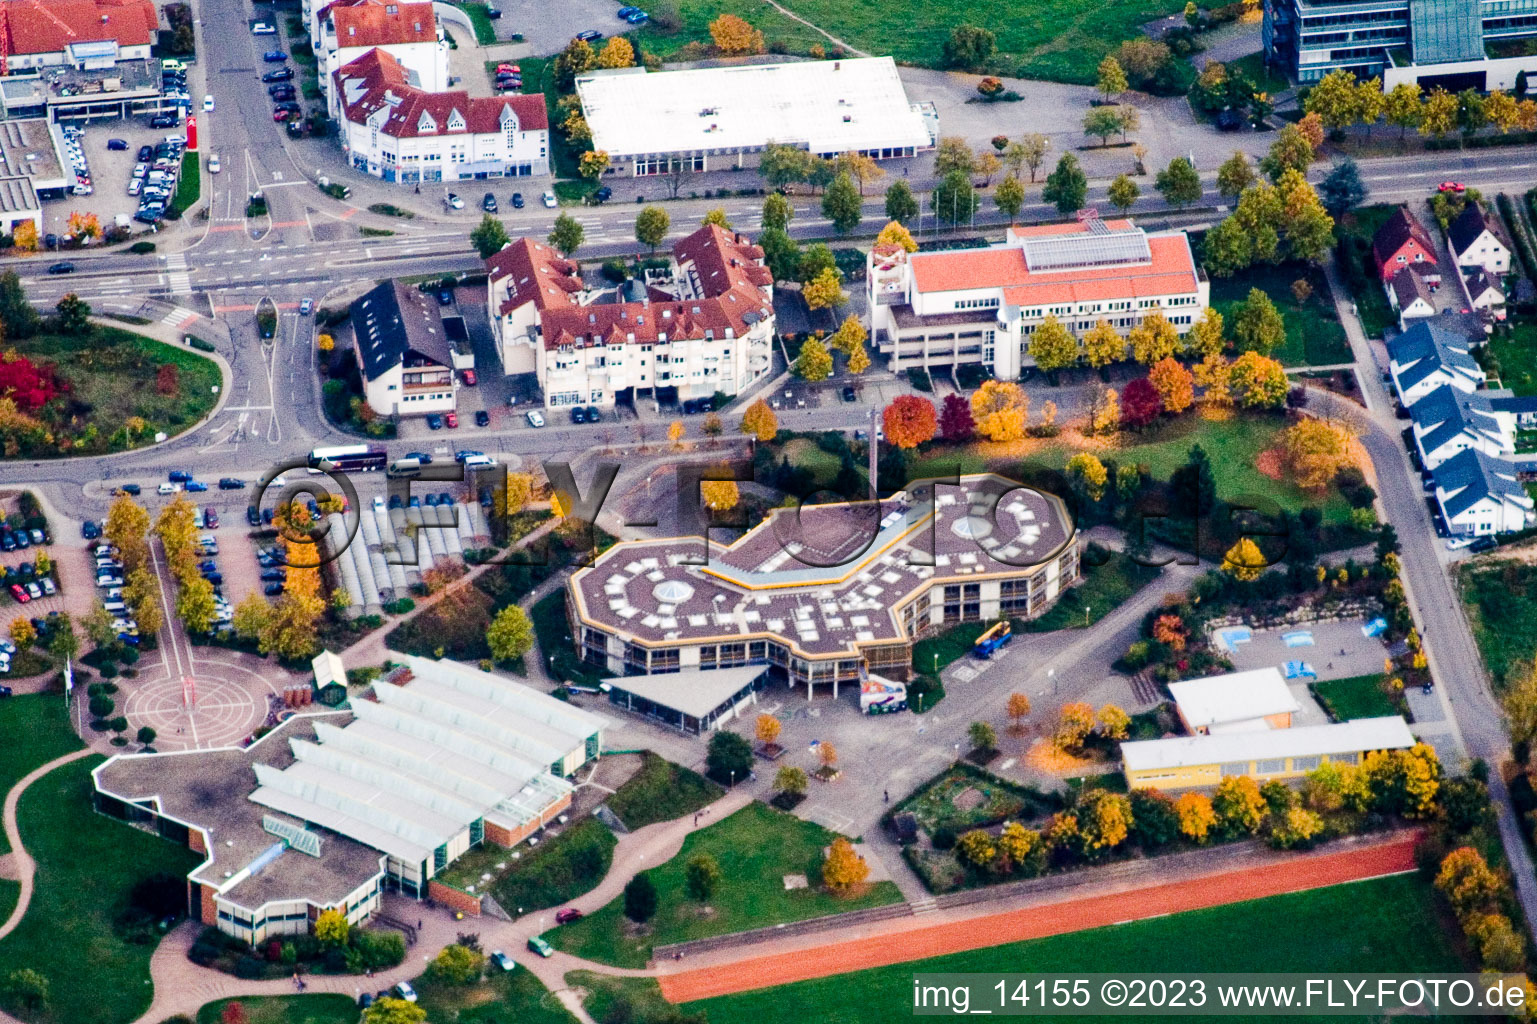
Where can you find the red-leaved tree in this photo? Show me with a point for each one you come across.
(1140, 404)
(909, 421)
(167, 379)
(234, 1013)
(955, 422)
(31, 386)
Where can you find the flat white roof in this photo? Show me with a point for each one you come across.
(828, 106)
(1387, 733)
(694, 693)
(1235, 697)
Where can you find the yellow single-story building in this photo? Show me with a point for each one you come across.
(1186, 762)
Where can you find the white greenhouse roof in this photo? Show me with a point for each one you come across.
(1235, 697)
(829, 106)
(1386, 733)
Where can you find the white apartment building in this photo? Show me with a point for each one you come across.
(345, 30)
(1480, 496)
(394, 130)
(1433, 354)
(981, 305)
(704, 326)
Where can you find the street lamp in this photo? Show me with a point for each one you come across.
(1086, 610)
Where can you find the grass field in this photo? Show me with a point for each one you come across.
(1355, 697)
(696, 16)
(504, 998)
(36, 730)
(1384, 925)
(755, 848)
(86, 866)
(327, 1008)
(1500, 599)
(542, 876)
(189, 187)
(9, 891)
(1104, 588)
(485, 32)
(803, 452)
(1232, 447)
(112, 377)
(1517, 354)
(933, 654)
(661, 791)
(1266, 80)
(1313, 336)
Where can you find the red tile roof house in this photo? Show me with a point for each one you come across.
(396, 131)
(1402, 241)
(345, 30)
(79, 33)
(982, 305)
(705, 326)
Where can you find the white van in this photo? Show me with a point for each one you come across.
(115, 607)
(479, 462)
(169, 488)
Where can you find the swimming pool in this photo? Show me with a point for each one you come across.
(1232, 636)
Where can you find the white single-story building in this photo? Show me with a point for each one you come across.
(1250, 701)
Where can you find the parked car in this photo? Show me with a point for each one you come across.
(567, 915)
(229, 483)
(538, 945)
(306, 305)
(117, 144)
(283, 74)
(146, 154)
(450, 419)
(196, 485)
(578, 414)
(1483, 544)
(163, 121)
(488, 203)
(252, 516)
(453, 201)
(272, 589)
(211, 519)
(404, 991)
(590, 35)
(421, 457)
(482, 418)
(549, 199)
(502, 961)
(638, 18)
(602, 195)
(130, 488)
(534, 417)
(274, 56)
(90, 529)
(434, 421)
(469, 378)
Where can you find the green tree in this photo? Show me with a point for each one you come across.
(1030, 151)
(1124, 193)
(651, 226)
(25, 989)
(457, 965)
(953, 154)
(640, 898)
(1343, 190)
(64, 641)
(841, 204)
(814, 362)
(1102, 122)
(1403, 107)
(390, 1010)
(784, 165)
(489, 237)
(146, 735)
(1259, 326)
(1290, 151)
(701, 876)
(510, 635)
(955, 201)
(576, 59)
(567, 234)
(1053, 346)
(1472, 113)
(1009, 196)
(728, 757)
(74, 316)
(900, 202)
(1179, 183)
(816, 261)
(195, 605)
(792, 780)
(777, 211)
(1112, 79)
(982, 735)
(781, 253)
(969, 47)
(1067, 187)
(1235, 175)
(17, 315)
(1305, 226)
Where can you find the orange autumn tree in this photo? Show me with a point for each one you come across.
(1174, 383)
(733, 35)
(909, 421)
(1170, 631)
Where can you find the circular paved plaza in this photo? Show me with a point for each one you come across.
(228, 699)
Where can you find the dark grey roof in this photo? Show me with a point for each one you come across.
(1479, 282)
(1472, 222)
(1446, 412)
(1408, 285)
(1470, 476)
(397, 323)
(1446, 30)
(1433, 344)
(1514, 404)
(1396, 231)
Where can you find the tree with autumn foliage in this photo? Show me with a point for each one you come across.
(1153, 339)
(1075, 721)
(1196, 816)
(720, 494)
(998, 409)
(1171, 631)
(1114, 722)
(1103, 345)
(1088, 475)
(1244, 560)
(896, 233)
(1140, 404)
(1105, 412)
(955, 422)
(814, 362)
(1052, 346)
(1205, 337)
(1315, 451)
(759, 420)
(1211, 374)
(732, 35)
(1017, 707)
(1258, 382)
(83, 225)
(25, 236)
(1239, 807)
(843, 869)
(1174, 383)
(767, 729)
(909, 421)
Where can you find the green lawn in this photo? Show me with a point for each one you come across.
(755, 848)
(542, 876)
(9, 891)
(86, 866)
(1517, 353)
(1381, 926)
(1232, 447)
(1314, 337)
(661, 791)
(1500, 598)
(933, 654)
(822, 465)
(696, 16)
(112, 376)
(36, 730)
(189, 187)
(1266, 80)
(1104, 588)
(485, 32)
(1355, 697)
(502, 999)
(320, 1008)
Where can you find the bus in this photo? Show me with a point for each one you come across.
(350, 458)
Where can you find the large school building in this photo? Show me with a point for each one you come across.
(329, 811)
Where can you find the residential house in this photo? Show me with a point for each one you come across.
(1447, 421)
(1478, 239)
(1480, 496)
(1236, 702)
(1484, 292)
(1434, 353)
(1410, 295)
(702, 326)
(1524, 408)
(1401, 242)
(82, 34)
(403, 352)
(395, 130)
(345, 30)
(1184, 762)
(980, 306)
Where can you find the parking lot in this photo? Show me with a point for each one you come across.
(111, 170)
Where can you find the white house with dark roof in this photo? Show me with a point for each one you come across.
(403, 353)
(1411, 295)
(1447, 421)
(1481, 496)
(1432, 354)
(1478, 239)
(394, 129)
(1484, 292)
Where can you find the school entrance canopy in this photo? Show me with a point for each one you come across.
(691, 701)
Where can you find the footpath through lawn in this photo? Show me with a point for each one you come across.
(36, 730)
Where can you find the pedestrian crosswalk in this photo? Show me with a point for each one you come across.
(179, 318)
(177, 277)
